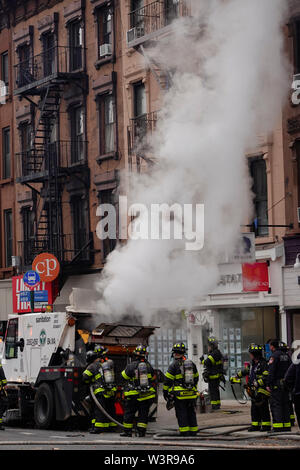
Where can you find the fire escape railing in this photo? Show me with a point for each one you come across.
(140, 133)
(62, 154)
(155, 16)
(54, 61)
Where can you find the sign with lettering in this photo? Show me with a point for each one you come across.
(20, 302)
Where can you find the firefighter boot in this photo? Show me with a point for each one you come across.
(265, 429)
(253, 429)
(126, 433)
(2, 428)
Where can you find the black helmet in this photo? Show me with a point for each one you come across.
(90, 356)
(179, 348)
(140, 350)
(100, 351)
(255, 349)
(212, 341)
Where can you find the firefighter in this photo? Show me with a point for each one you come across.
(279, 363)
(257, 381)
(139, 392)
(180, 386)
(101, 374)
(285, 347)
(213, 372)
(292, 381)
(3, 383)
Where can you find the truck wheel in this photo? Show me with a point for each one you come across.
(43, 407)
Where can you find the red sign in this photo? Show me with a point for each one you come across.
(24, 307)
(255, 277)
(47, 266)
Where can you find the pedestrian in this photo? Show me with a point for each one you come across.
(139, 392)
(213, 372)
(278, 365)
(3, 397)
(180, 386)
(257, 375)
(100, 373)
(292, 382)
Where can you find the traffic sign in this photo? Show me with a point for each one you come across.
(25, 296)
(47, 265)
(31, 278)
(41, 296)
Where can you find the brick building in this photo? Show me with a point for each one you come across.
(83, 94)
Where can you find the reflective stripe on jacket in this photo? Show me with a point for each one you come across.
(133, 389)
(92, 375)
(174, 381)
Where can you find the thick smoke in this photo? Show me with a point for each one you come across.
(229, 83)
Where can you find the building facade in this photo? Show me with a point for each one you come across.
(82, 95)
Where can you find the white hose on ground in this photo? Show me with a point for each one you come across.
(103, 409)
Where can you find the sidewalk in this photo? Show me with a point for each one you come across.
(240, 415)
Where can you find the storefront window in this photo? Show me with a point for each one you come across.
(238, 327)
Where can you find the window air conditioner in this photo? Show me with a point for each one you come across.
(105, 49)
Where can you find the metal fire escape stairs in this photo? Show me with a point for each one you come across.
(44, 161)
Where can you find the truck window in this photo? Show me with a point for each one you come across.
(3, 324)
(11, 350)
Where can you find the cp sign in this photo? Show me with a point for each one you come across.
(47, 266)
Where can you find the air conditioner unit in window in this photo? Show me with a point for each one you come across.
(298, 213)
(135, 33)
(104, 50)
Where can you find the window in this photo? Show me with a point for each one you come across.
(297, 47)
(80, 222)
(8, 237)
(28, 234)
(6, 168)
(24, 73)
(107, 197)
(260, 189)
(76, 45)
(171, 10)
(77, 134)
(136, 16)
(107, 124)
(25, 141)
(104, 32)
(48, 54)
(4, 70)
(140, 105)
(140, 114)
(11, 349)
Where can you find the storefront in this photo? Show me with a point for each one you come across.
(238, 317)
(291, 302)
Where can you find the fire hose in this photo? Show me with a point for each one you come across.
(237, 399)
(103, 409)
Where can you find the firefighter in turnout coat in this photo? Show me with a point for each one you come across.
(139, 392)
(257, 381)
(180, 387)
(213, 372)
(100, 373)
(3, 383)
(279, 363)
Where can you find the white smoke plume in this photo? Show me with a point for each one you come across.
(230, 80)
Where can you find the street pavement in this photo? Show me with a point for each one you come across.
(232, 417)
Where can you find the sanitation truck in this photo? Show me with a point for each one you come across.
(43, 356)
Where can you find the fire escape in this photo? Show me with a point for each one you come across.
(49, 163)
(148, 23)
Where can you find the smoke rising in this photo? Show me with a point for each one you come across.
(228, 86)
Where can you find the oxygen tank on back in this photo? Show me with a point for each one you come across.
(143, 380)
(188, 373)
(108, 373)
